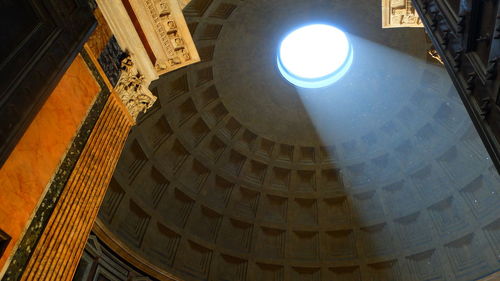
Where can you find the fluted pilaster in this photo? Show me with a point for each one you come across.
(61, 245)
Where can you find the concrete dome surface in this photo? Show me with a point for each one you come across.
(236, 174)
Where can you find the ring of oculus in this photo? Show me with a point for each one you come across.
(314, 56)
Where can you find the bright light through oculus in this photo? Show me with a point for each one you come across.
(315, 56)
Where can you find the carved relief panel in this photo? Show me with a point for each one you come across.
(399, 13)
(164, 33)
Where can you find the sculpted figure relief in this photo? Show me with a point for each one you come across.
(131, 89)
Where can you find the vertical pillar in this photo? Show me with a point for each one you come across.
(61, 245)
(59, 249)
(157, 26)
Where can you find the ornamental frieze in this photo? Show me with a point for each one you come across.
(166, 32)
(399, 13)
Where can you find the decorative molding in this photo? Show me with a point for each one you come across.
(132, 90)
(127, 36)
(165, 32)
(466, 36)
(154, 32)
(122, 250)
(399, 13)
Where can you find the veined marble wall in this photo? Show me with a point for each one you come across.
(32, 164)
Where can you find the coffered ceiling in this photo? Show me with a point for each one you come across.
(235, 174)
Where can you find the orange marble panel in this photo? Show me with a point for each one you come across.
(34, 161)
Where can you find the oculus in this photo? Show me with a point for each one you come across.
(314, 56)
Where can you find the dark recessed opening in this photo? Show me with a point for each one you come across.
(4, 241)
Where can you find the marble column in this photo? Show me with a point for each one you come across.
(135, 24)
(60, 247)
